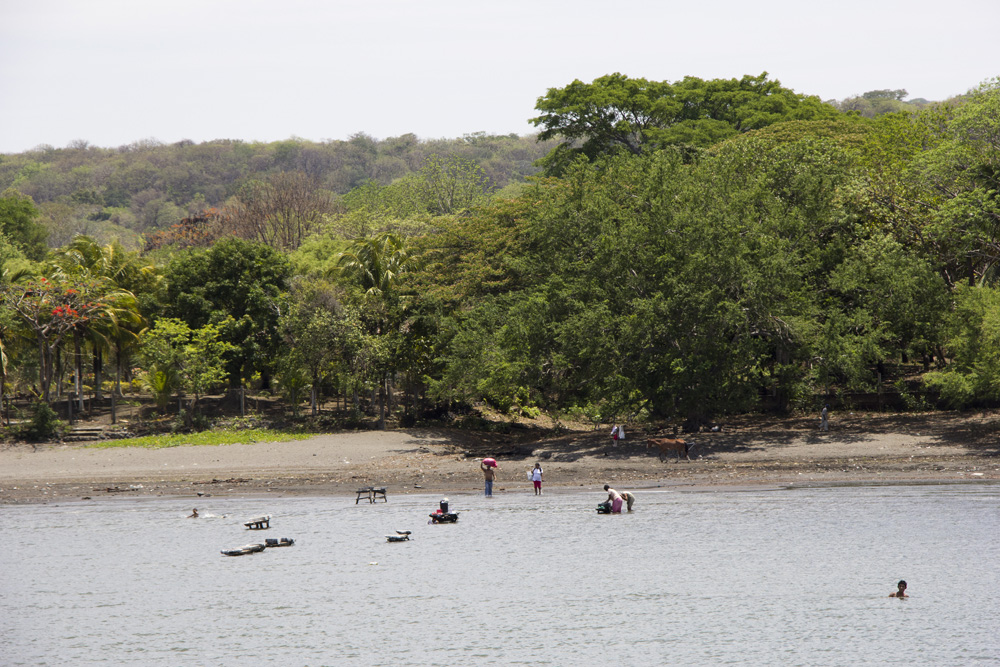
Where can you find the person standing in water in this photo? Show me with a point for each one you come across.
(900, 590)
(629, 499)
(536, 478)
(615, 499)
(489, 474)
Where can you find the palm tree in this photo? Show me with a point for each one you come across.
(122, 272)
(377, 263)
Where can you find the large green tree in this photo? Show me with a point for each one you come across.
(615, 112)
(240, 286)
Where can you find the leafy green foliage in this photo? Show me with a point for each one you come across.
(238, 286)
(615, 112)
(140, 189)
(43, 425)
(973, 343)
(19, 224)
(177, 358)
(698, 247)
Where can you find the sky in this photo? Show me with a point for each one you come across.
(114, 72)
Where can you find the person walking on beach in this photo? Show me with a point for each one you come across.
(824, 418)
(615, 432)
(900, 590)
(536, 478)
(629, 499)
(489, 474)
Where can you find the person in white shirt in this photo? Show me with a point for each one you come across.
(536, 478)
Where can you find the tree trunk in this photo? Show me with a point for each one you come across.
(118, 372)
(98, 373)
(381, 404)
(78, 369)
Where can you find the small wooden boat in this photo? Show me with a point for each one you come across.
(259, 523)
(400, 536)
(274, 542)
(244, 550)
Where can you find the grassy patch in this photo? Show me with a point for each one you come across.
(248, 436)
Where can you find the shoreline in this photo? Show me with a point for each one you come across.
(870, 449)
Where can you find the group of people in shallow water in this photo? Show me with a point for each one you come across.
(618, 498)
(614, 502)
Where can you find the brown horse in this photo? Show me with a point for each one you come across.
(667, 445)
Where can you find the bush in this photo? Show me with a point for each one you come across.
(914, 402)
(44, 425)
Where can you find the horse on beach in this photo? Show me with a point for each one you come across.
(667, 445)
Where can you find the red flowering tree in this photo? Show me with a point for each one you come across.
(51, 310)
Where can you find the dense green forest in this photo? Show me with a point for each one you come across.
(659, 250)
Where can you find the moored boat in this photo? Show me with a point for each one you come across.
(244, 550)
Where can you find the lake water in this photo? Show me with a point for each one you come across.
(760, 577)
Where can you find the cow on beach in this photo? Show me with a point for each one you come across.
(668, 445)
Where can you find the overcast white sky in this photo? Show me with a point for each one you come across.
(116, 71)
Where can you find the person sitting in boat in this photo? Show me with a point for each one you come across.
(900, 590)
(615, 500)
(194, 514)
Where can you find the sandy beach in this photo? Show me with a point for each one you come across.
(859, 449)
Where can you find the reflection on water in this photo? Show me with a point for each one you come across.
(790, 577)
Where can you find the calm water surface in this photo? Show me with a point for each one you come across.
(763, 577)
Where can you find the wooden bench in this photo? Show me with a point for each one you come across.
(372, 493)
(259, 523)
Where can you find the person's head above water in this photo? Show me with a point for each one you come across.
(901, 585)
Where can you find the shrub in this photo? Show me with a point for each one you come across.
(44, 424)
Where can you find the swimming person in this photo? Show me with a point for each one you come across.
(615, 499)
(489, 474)
(629, 499)
(900, 590)
(194, 513)
(536, 478)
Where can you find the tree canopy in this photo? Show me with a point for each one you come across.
(615, 112)
(693, 249)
